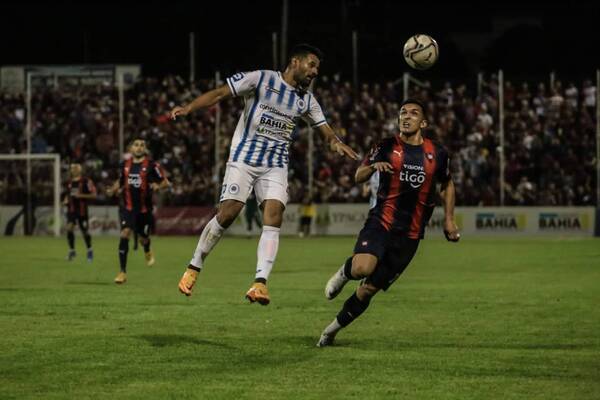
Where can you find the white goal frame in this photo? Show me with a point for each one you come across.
(51, 157)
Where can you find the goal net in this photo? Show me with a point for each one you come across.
(30, 189)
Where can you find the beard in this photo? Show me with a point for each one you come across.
(304, 83)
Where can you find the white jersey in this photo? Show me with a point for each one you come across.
(373, 188)
(271, 112)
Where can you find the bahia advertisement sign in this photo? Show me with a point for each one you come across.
(502, 221)
(568, 222)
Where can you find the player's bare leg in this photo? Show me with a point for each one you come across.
(266, 251)
(355, 268)
(123, 250)
(210, 236)
(354, 306)
(71, 241)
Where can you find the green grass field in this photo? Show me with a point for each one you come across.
(484, 319)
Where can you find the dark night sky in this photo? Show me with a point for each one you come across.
(523, 38)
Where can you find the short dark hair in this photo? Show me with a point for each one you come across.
(134, 138)
(414, 101)
(304, 49)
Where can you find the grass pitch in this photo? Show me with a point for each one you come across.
(484, 319)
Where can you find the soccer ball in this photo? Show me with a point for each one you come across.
(421, 51)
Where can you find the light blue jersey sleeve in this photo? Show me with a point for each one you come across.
(314, 115)
(243, 83)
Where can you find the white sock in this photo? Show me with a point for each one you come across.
(208, 239)
(333, 328)
(267, 251)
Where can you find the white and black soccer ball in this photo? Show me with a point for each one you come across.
(421, 51)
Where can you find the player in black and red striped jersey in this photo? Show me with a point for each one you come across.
(410, 167)
(139, 178)
(79, 190)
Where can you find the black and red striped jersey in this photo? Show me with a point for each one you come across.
(135, 180)
(406, 197)
(73, 187)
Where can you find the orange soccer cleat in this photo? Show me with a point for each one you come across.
(258, 293)
(186, 284)
(121, 278)
(149, 258)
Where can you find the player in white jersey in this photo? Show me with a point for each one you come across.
(373, 188)
(258, 159)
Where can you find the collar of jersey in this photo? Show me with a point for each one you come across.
(290, 86)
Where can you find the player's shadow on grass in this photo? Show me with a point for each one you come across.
(498, 346)
(174, 340)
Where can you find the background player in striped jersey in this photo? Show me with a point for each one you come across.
(258, 159)
(139, 177)
(410, 167)
(79, 191)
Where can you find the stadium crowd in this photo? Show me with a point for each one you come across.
(549, 138)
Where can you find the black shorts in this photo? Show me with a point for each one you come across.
(393, 252)
(305, 221)
(82, 220)
(141, 223)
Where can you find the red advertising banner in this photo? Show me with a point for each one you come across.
(182, 220)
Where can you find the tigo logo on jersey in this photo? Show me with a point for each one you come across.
(413, 174)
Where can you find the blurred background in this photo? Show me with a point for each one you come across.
(513, 95)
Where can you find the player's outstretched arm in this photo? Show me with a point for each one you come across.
(205, 100)
(449, 196)
(335, 144)
(364, 172)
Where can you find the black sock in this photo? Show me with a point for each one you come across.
(348, 269)
(123, 249)
(71, 240)
(147, 245)
(352, 309)
(261, 280)
(88, 240)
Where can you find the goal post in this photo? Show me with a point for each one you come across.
(55, 158)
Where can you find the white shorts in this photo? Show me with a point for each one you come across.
(268, 183)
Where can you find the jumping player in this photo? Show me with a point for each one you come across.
(258, 159)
